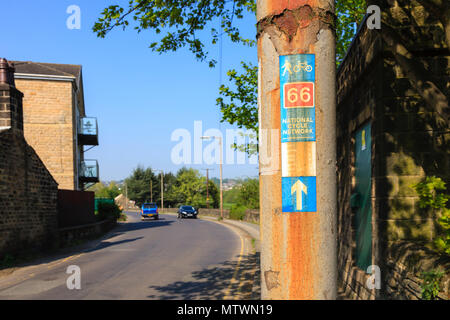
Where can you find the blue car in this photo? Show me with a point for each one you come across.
(149, 210)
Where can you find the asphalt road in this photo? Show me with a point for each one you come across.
(164, 259)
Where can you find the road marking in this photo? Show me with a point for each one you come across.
(233, 279)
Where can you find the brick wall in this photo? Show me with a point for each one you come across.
(49, 126)
(379, 85)
(28, 192)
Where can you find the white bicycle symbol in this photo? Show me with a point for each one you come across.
(302, 66)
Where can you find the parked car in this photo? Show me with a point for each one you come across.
(149, 210)
(187, 211)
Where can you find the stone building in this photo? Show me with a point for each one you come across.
(393, 130)
(55, 122)
(28, 192)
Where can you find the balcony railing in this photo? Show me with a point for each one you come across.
(88, 171)
(88, 132)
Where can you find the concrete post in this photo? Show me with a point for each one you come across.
(298, 254)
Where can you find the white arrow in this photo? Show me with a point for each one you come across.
(298, 188)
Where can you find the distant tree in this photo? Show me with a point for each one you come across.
(244, 194)
(103, 191)
(190, 189)
(249, 194)
(231, 196)
(169, 181)
(138, 185)
(214, 194)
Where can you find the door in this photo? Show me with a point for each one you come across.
(363, 214)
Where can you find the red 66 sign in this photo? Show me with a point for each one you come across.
(299, 95)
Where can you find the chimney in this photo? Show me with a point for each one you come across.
(11, 109)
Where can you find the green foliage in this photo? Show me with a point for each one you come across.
(237, 212)
(241, 108)
(105, 192)
(350, 14)
(231, 196)
(249, 194)
(139, 183)
(443, 243)
(108, 211)
(432, 194)
(431, 284)
(179, 22)
(123, 217)
(190, 189)
(245, 194)
(244, 115)
(238, 101)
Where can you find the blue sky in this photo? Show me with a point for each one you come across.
(139, 97)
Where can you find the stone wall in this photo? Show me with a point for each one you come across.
(405, 263)
(28, 192)
(49, 126)
(380, 82)
(359, 81)
(251, 215)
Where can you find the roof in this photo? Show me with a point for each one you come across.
(52, 71)
(49, 69)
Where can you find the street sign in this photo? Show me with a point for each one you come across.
(298, 126)
(299, 194)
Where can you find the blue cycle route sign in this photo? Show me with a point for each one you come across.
(298, 126)
(297, 79)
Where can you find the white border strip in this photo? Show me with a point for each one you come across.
(43, 77)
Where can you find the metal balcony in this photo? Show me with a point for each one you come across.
(88, 171)
(88, 132)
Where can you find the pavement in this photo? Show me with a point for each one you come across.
(170, 258)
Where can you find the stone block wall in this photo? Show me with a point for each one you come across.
(28, 192)
(358, 86)
(386, 79)
(405, 263)
(251, 215)
(50, 126)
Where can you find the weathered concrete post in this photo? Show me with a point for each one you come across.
(296, 52)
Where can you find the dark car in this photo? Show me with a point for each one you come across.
(149, 210)
(187, 212)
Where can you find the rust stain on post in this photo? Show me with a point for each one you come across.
(276, 7)
(302, 253)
